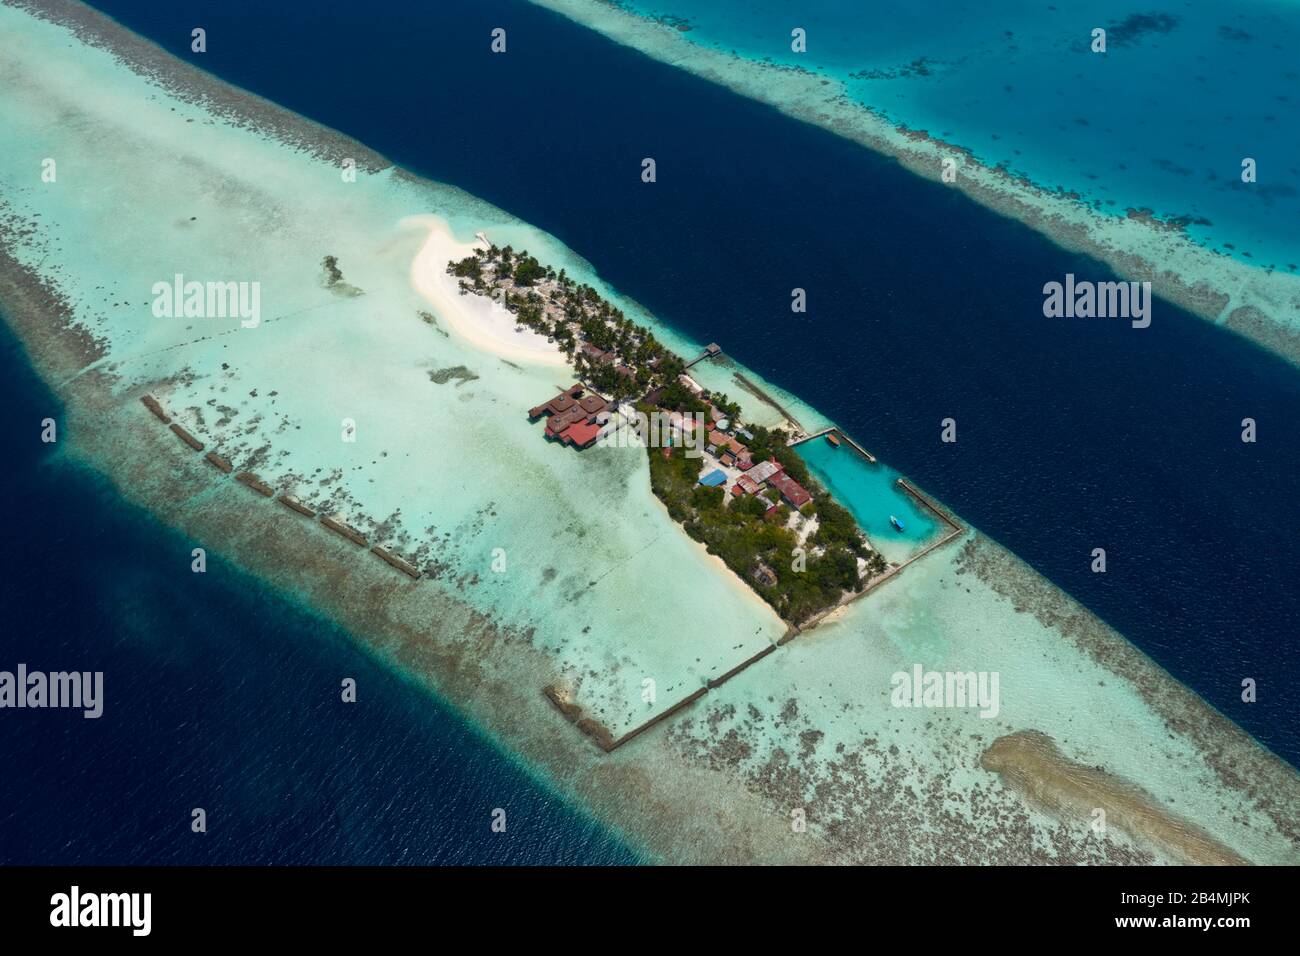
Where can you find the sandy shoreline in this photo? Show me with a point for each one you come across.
(479, 321)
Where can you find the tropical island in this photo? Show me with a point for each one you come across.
(741, 490)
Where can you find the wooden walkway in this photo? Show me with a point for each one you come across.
(712, 350)
(843, 437)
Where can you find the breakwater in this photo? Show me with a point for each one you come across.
(252, 481)
(832, 430)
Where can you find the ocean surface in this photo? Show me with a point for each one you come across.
(1162, 120)
(1071, 434)
(221, 695)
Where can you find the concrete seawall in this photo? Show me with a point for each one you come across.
(955, 530)
(607, 742)
(601, 734)
(186, 437)
(256, 483)
(338, 527)
(571, 711)
(293, 504)
(221, 464)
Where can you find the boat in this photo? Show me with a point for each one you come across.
(833, 439)
(896, 522)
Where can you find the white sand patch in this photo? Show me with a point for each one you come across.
(478, 320)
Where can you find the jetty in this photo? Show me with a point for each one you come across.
(955, 530)
(561, 699)
(835, 436)
(711, 350)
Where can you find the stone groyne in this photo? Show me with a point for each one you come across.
(347, 531)
(186, 437)
(254, 482)
(221, 464)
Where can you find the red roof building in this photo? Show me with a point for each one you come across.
(794, 493)
(580, 434)
(560, 403)
(572, 416)
(722, 440)
(764, 470)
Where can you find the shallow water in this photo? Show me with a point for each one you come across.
(871, 493)
(1162, 120)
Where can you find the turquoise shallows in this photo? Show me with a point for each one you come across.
(871, 493)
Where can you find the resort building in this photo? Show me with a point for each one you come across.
(598, 354)
(575, 416)
(795, 495)
(728, 445)
(763, 471)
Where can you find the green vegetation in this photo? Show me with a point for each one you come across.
(626, 362)
(629, 361)
(753, 545)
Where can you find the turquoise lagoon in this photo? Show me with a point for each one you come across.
(870, 491)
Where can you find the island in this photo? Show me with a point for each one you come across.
(741, 490)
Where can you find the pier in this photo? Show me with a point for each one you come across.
(842, 437)
(710, 351)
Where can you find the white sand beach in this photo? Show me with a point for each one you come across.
(480, 322)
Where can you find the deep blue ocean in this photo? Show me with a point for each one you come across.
(221, 695)
(1072, 434)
